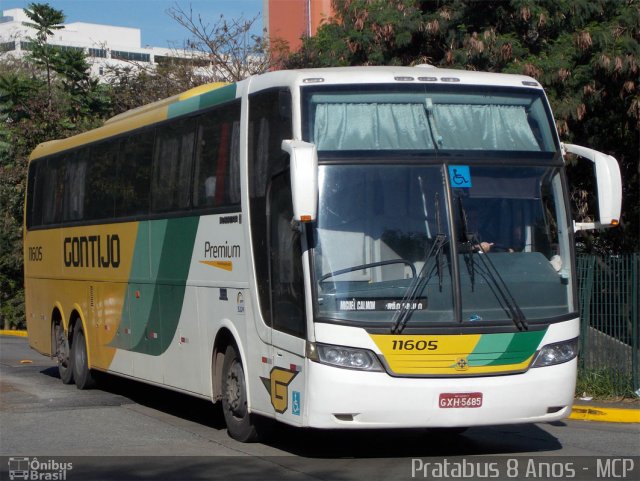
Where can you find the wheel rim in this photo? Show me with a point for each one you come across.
(62, 348)
(235, 391)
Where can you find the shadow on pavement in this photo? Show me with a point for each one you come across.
(364, 443)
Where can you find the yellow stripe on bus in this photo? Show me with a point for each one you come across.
(226, 265)
(437, 355)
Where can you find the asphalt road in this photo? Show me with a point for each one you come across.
(128, 430)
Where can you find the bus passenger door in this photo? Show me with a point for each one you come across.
(287, 304)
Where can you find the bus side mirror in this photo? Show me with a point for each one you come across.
(304, 179)
(609, 184)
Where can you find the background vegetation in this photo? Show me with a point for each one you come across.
(584, 52)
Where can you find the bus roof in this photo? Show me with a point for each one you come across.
(214, 93)
(388, 74)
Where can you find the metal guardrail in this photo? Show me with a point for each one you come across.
(609, 291)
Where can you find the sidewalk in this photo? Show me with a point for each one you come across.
(602, 411)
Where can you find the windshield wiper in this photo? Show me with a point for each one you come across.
(490, 272)
(402, 315)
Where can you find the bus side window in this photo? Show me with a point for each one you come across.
(73, 207)
(267, 129)
(287, 280)
(216, 179)
(35, 191)
(173, 157)
(134, 175)
(52, 190)
(101, 180)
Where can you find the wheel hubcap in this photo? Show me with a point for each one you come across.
(235, 390)
(62, 347)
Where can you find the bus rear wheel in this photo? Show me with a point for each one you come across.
(234, 398)
(81, 371)
(62, 354)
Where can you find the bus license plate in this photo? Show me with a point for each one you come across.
(460, 400)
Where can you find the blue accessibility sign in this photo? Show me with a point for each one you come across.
(460, 176)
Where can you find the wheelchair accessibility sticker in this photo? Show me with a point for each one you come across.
(460, 176)
(295, 408)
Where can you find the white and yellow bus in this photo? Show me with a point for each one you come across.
(336, 248)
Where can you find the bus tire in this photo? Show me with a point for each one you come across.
(234, 398)
(62, 353)
(81, 371)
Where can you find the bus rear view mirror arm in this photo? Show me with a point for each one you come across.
(609, 184)
(304, 179)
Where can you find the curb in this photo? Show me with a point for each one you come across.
(604, 414)
(7, 332)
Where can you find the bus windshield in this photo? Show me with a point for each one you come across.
(427, 118)
(387, 235)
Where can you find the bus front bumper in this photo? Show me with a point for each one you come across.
(343, 398)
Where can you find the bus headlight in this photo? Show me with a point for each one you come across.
(556, 353)
(345, 357)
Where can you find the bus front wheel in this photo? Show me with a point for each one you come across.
(234, 398)
(81, 371)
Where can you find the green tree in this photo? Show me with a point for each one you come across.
(364, 32)
(46, 96)
(44, 20)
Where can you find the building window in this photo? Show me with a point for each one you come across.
(97, 52)
(134, 56)
(187, 61)
(7, 47)
(67, 48)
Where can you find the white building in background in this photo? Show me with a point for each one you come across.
(104, 45)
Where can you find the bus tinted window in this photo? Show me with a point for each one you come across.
(149, 170)
(267, 129)
(34, 193)
(134, 172)
(51, 177)
(172, 166)
(101, 180)
(217, 176)
(74, 188)
(427, 118)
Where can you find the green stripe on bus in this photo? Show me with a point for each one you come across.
(209, 99)
(154, 298)
(521, 347)
(218, 96)
(171, 280)
(489, 348)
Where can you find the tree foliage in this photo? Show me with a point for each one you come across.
(48, 95)
(584, 52)
(44, 20)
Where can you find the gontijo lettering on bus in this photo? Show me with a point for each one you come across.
(92, 251)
